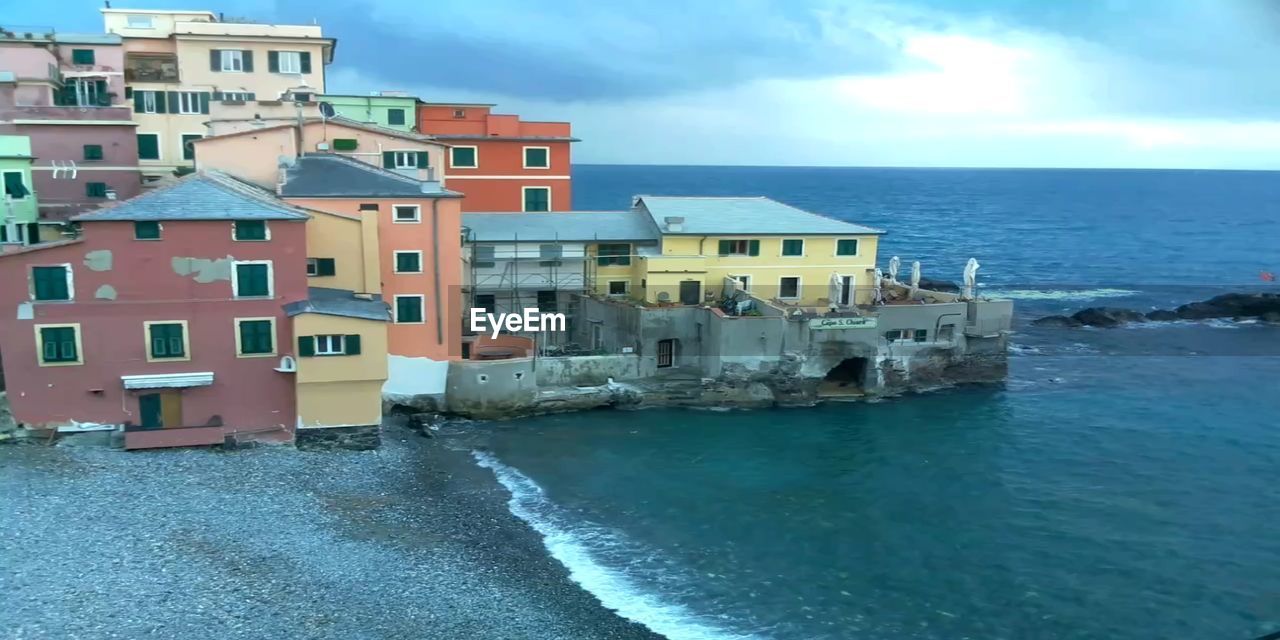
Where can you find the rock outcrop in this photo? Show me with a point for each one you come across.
(1263, 306)
(1057, 321)
(1107, 316)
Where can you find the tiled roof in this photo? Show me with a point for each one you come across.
(208, 195)
(339, 302)
(572, 226)
(741, 216)
(328, 175)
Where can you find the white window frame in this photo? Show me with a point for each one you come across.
(744, 279)
(475, 156)
(406, 159)
(139, 22)
(148, 101)
(330, 342)
(524, 197)
(626, 287)
(857, 248)
(313, 266)
(524, 158)
(235, 280)
(295, 59)
(799, 288)
(422, 307)
(395, 214)
(183, 106)
(395, 264)
(231, 60)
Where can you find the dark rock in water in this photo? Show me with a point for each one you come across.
(1056, 321)
(1107, 316)
(1272, 317)
(1162, 315)
(1232, 305)
(939, 285)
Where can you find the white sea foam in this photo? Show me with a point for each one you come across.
(575, 546)
(1061, 294)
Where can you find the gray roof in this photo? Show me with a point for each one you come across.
(86, 38)
(468, 137)
(567, 226)
(339, 302)
(742, 216)
(207, 195)
(328, 175)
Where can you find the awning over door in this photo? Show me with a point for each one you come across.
(168, 380)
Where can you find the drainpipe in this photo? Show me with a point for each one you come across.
(435, 263)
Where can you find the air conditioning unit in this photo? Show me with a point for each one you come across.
(322, 146)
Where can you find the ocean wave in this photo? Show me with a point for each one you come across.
(1061, 294)
(576, 545)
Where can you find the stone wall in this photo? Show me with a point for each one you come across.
(584, 371)
(362, 438)
(487, 388)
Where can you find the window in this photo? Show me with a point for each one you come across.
(256, 336)
(148, 102)
(459, 113)
(537, 198)
(95, 189)
(82, 92)
(920, 335)
(188, 149)
(463, 157)
(138, 22)
(793, 247)
(619, 254)
(345, 144)
(549, 255)
(789, 287)
(405, 160)
(406, 213)
(51, 283)
(92, 152)
(250, 230)
(82, 56)
(231, 60)
(321, 267)
(253, 280)
(148, 146)
(739, 248)
(483, 256)
(146, 230)
(188, 102)
(847, 247)
(369, 206)
(14, 185)
(409, 309)
(488, 302)
(59, 344)
(329, 345)
(395, 116)
(537, 157)
(618, 287)
(289, 61)
(548, 301)
(301, 96)
(408, 262)
(166, 340)
(745, 280)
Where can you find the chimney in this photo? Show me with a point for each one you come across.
(675, 224)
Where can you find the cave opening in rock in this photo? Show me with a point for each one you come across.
(847, 378)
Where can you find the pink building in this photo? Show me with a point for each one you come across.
(66, 92)
(167, 312)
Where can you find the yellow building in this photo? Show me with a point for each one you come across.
(776, 251)
(342, 358)
(178, 62)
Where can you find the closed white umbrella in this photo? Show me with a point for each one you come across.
(877, 296)
(894, 263)
(833, 289)
(915, 278)
(970, 278)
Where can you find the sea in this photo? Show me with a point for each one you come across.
(1121, 484)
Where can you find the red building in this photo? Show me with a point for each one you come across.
(167, 312)
(499, 161)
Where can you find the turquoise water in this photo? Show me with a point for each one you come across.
(1120, 485)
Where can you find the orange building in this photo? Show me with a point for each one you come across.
(499, 161)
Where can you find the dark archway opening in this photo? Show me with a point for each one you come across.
(848, 378)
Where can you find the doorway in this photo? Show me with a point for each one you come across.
(845, 379)
(160, 410)
(666, 353)
(690, 292)
(846, 290)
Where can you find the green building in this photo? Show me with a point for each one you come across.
(385, 110)
(18, 211)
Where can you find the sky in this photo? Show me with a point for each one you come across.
(996, 83)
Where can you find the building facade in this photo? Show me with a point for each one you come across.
(178, 63)
(502, 163)
(18, 210)
(390, 109)
(66, 93)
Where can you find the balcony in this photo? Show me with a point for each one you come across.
(151, 68)
(62, 113)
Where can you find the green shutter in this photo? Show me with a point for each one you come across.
(246, 57)
(166, 341)
(753, 248)
(395, 116)
(326, 267)
(846, 247)
(50, 283)
(463, 157)
(148, 146)
(305, 58)
(256, 337)
(215, 60)
(252, 280)
(160, 101)
(306, 344)
(82, 56)
(423, 159)
(345, 144)
(100, 93)
(351, 342)
(58, 344)
(726, 246)
(146, 230)
(409, 309)
(204, 102)
(536, 158)
(95, 189)
(407, 263)
(14, 186)
(250, 230)
(137, 101)
(793, 247)
(388, 159)
(92, 152)
(273, 61)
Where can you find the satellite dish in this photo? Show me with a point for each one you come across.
(326, 110)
